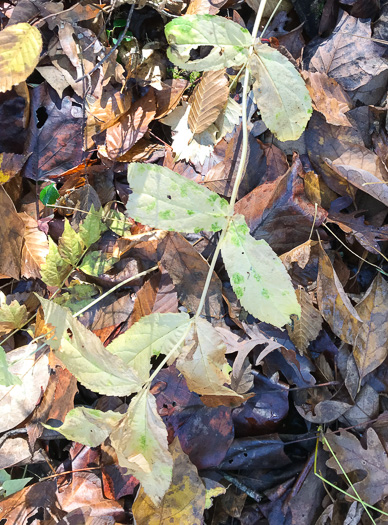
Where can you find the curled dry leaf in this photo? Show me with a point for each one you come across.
(184, 502)
(334, 304)
(35, 248)
(307, 327)
(208, 100)
(370, 345)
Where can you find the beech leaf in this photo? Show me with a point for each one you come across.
(85, 356)
(163, 199)
(153, 334)
(230, 42)
(208, 100)
(258, 276)
(87, 426)
(140, 442)
(280, 93)
(20, 47)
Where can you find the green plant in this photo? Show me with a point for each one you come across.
(165, 200)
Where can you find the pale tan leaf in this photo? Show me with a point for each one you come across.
(140, 442)
(208, 100)
(334, 304)
(187, 508)
(35, 248)
(11, 238)
(307, 327)
(20, 47)
(371, 342)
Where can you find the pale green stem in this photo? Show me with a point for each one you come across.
(241, 166)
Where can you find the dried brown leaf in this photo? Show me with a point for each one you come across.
(169, 96)
(11, 238)
(208, 100)
(334, 304)
(371, 342)
(35, 248)
(307, 327)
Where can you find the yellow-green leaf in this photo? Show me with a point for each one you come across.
(97, 263)
(20, 48)
(153, 334)
(92, 227)
(7, 378)
(258, 276)
(87, 426)
(280, 93)
(12, 316)
(70, 245)
(140, 442)
(55, 269)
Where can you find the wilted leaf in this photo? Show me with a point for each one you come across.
(307, 327)
(12, 316)
(188, 271)
(17, 401)
(35, 249)
(140, 442)
(55, 269)
(208, 100)
(258, 276)
(152, 335)
(163, 199)
(20, 47)
(184, 502)
(230, 42)
(202, 362)
(85, 356)
(353, 456)
(334, 304)
(87, 426)
(280, 93)
(370, 343)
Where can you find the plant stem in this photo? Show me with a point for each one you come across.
(241, 166)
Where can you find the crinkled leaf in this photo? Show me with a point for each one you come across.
(258, 276)
(92, 227)
(152, 335)
(20, 47)
(85, 356)
(140, 442)
(70, 245)
(280, 93)
(230, 42)
(97, 263)
(87, 426)
(55, 269)
(6, 377)
(166, 200)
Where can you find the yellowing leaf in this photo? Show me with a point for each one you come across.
(307, 327)
(92, 227)
(20, 47)
(202, 361)
(152, 335)
(280, 93)
(12, 316)
(87, 426)
(70, 245)
(370, 346)
(230, 42)
(184, 502)
(163, 199)
(258, 276)
(208, 100)
(85, 356)
(55, 269)
(97, 263)
(140, 442)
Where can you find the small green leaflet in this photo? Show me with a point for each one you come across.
(280, 93)
(12, 315)
(153, 334)
(7, 378)
(163, 199)
(85, 356)
(87, 426)
(258, 276)
(230, 42)
(140, 442)
(49, 195)
(10, 486)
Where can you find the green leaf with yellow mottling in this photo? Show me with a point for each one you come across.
(258, 276)
(230, 42)
(55, 269)
(163, 199)
(140, 442)
(70, 245)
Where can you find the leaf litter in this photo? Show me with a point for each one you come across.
(125, 392)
